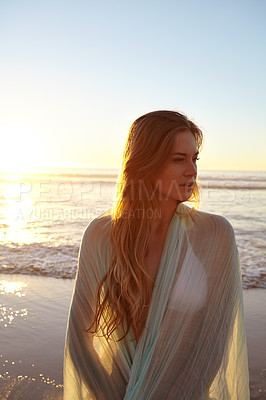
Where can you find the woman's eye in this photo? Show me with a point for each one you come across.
(182, 159)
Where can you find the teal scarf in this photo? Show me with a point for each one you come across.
(193, 345)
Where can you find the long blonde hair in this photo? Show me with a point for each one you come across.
(124, 294)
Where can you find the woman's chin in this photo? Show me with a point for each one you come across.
(185, 195)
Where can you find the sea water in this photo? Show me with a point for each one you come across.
(43, 217)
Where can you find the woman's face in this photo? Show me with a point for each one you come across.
(176, 179)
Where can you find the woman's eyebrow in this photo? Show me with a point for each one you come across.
(184, 154)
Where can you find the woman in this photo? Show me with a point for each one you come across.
(157, 307)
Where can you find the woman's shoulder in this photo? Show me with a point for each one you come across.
(95, 249)
(212, 222)
(97, 230)
(213, 231)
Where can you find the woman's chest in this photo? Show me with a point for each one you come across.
(152, 260)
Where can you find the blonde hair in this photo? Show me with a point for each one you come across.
(124, 294)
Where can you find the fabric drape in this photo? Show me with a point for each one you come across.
(193, 346)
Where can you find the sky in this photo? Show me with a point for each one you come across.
(74, 75)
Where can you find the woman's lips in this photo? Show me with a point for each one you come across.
(191, 184)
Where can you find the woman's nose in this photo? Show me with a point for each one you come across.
(191, 169)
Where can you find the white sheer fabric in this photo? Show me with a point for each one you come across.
(193, 345)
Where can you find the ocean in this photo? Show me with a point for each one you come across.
(43, 217)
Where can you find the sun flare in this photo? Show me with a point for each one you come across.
(22, 151)
(16, 288)
(15, 211)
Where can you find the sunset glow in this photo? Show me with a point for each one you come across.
(70, 91)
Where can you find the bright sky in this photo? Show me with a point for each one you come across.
(74, 75)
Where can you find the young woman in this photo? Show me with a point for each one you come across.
(157, 307)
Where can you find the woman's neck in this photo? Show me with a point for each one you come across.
(165, 215)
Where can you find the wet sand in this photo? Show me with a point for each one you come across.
(33, 318)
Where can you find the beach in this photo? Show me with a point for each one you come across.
(33, 323)
(42, 221)
(33, 319)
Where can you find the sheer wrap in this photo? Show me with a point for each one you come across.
(193, 345)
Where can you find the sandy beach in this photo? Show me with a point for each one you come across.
(33, 318)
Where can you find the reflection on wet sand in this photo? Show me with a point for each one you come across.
(33, 313)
